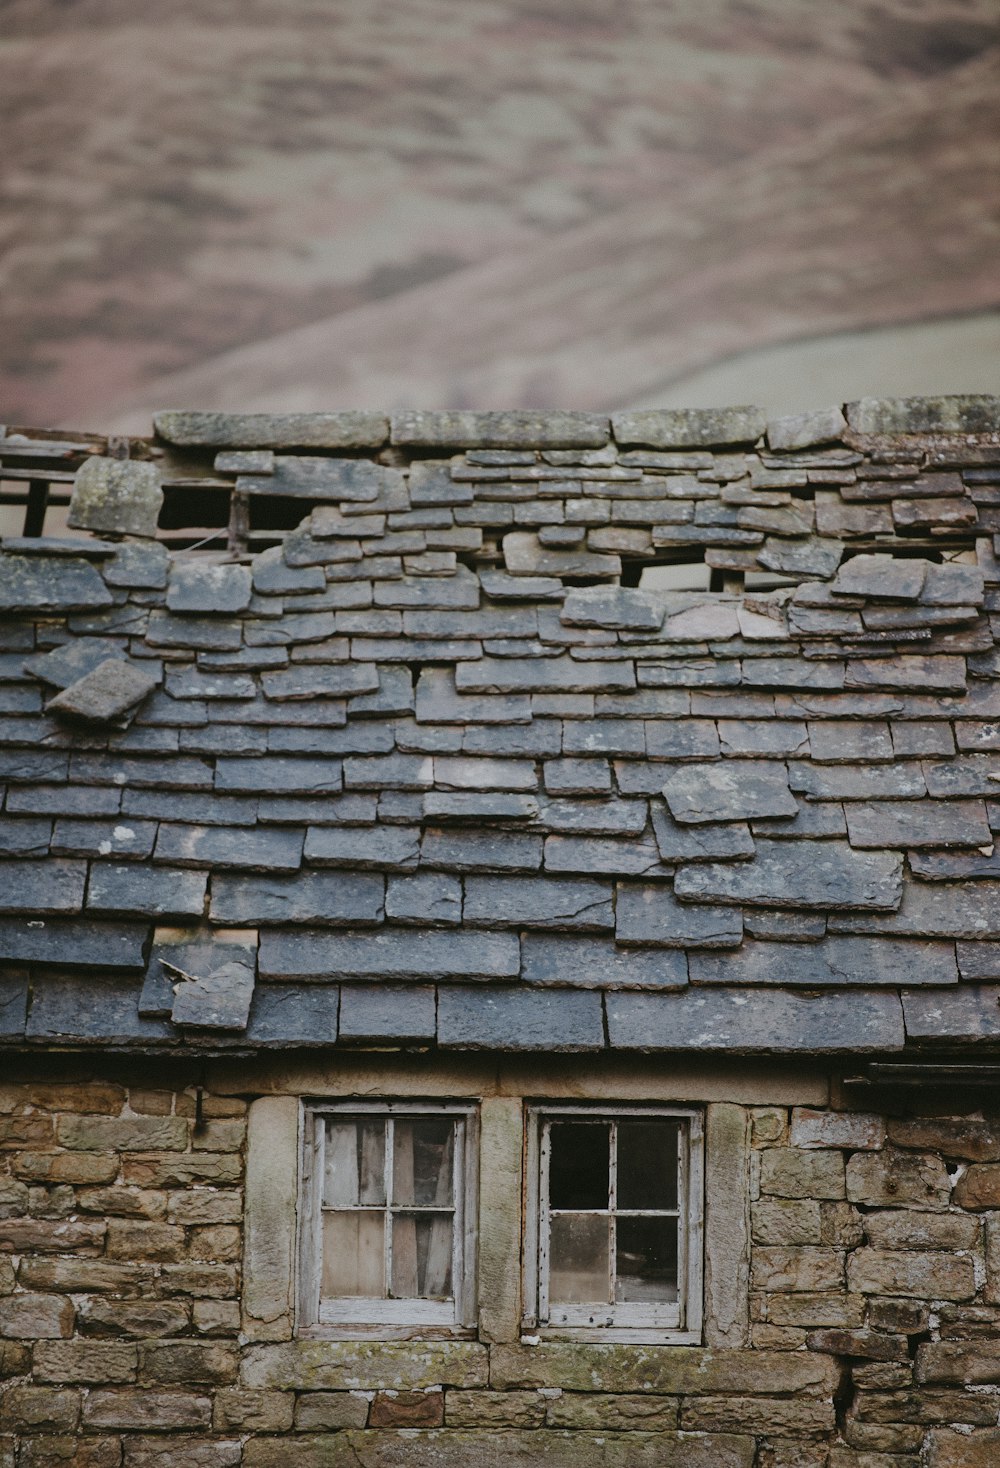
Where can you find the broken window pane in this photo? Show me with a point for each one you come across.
(355, 1164)
(578, 1256)
(421, 1256)
(579, 1165)
(646, 1259)
(647, 1164)
(354, 1255)
(422, 1162)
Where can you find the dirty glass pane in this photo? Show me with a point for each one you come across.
(355, 1164)
(579, 1163)
(353, 1255)
(647, 1163)
(646, 1263)
(422, 1162)
(421, 1256)
(578, 1258)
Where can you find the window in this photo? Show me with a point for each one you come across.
(387, 1232)
(615, 1237)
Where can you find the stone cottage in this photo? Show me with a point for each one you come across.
(500, 940)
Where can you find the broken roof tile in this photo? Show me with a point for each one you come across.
(729, 790)
(104, 695)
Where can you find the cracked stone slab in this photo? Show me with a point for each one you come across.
(72, 660)
(504, 901)
(805, 430)
(293, 1015)
(119, 496)
(919, 823)
(334, 898)
(728, 790)
(884, 961)
(834, 876)
(933, 910)
(651, 915)
(882, 578)
(762, 1021)
(717, 841)
(344, 430)
(215, 996)
(207, 588)
(105, 695)
(971, 1012)
(50, 584)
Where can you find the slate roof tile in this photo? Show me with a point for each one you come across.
(735, 1020)
(388, 953)
(836, 876)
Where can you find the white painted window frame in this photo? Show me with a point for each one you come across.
(357, 1315)
(679, 1323)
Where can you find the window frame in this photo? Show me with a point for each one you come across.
(634, 1322)
(388, 1318)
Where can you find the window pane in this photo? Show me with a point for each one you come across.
(646, 1264)
(647, 1164)
(422, 1162)
(353, 1255)
(579, 1162)
(421, 1256)
(578, 1258)
(355, 1164)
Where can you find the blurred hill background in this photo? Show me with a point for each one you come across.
(334, 203)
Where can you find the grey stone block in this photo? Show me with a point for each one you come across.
(525, 555)
(862, 961)
(140, 567)
(292, 628)
(932, 910)
(74, 944)
(29, 838)
(389, 772)
(811, 556)
(542, 675)
(728, 790)
(804, 430)
(512, 429)
(438, 702)
(598, 963)
(846, 741)
(426, 897)
(604, 856)
(507, 1018)
(397, 1012)
(280, 772)
(344, 430)
(208, 810)
(272, 574)
(765, 738)
(919, 823)
(264, 849)
(953, 586)
(971, 1012)
(467, 772)
(307, 897)
(615, 607)
(681, 739)
(42, 887)
(245, 461)
(717, 841)
(881, 578)
(120, 495)
(50, 584)
(457, 592)
(216, 988)
(353, 846)
(681, 428)
(63, 800)
(122, 838)
(833, 876)
(907, 670)
(133, 889)
(595, 817)
(393, 697)
(181, 772)
(530, 902)
(501, 587)
(72, 660)
(577, 776)
(763, 1021)
(389, 953)
(100, 1011)
(13, 1004)
(651, 915)
(606, 736)
(105, 695)
(478, 851)
(336, 680)
(784, 927)
(902, 781)
(431, 484)
(207, 587)
(212, 634)
(950, 866)
(968, 413)
(294, 1015)
(349, 481)
(468, 805)
(198, 683)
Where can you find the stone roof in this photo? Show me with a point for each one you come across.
(428, 744)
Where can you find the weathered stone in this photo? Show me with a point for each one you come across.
(84, 944)
(72, 660)
(804, 430)
(598, 964)
(460, 1448)
(319, 1411)
(965, 1137)
(710, 842)
(856, 1131)
(525, 555)
(401, 1012)
(892, 1179)
(668, 428)
(34, 1316)
(789, 1172)
(787, 1221)
(382, 846)
(90, 1362)
(968, 413)
(615, 607)
(972, 1012)
(105, 695)
(307, 897)
(230, 849)
(473, 851)
(538, 902)
(956, 1448)
(198, 586)
(146, 1411)
(904, 1228)
(214, 987)
(934, 1276)
(808, 556)
(134, 890)
(343, 430)
(56, 584)
(364, 1365)
(511, 429)
(119, 496)
(138, 566)
(763, 1021)
(881, 577)
(919, 823)
(39, 1409)
(651, 915)
(932, 910)
(836, 876)
(388, 954)
(574, 1366)
(729, 790)
(508, 1018)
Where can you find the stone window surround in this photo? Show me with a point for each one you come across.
(503, 1093)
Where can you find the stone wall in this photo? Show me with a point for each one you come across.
(874, 1307)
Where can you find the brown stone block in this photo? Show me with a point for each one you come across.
(671, 1370)
(854, 1131)
(979, 1187)
(494, 1409)
(948, 1363)
(889, 1438)
(183, 1452)
(151, 1103)
(146, 1411)
(407, 1409)
(221, 1242)
(788, 1172)
(123, 1202)
(806, 1415)
(129, 1239)
(216, 1317)
(190, 1362)
(841, 1225)
(815, 1310)
(947, 1449)
(365, 1365)
(925, 1276)
(797, 1269)
(83, 1275)
(902, 1317)
(219, 1136)
(893, 1179)
(928, 1406)
(869, 1345)
(7, 1276)
(786, 1221)
(70, 1452)
(123, 1134)
(36, 1317)
(841, 1457)
(39, 1409)
(138, 1318)
(13, 1197)
(237, 1410)
(81, 1096)
(91, 1362)
(36, 1235)
(67, 1167)
(966, 1137)
(182, 1171)
(777, 1338)
(797, 1454)
(26, 1131)
(905, 1228)
(212, 1281)
(205, 1205)
(882, 1376)
(218, 1105)
(317, 1411)
(609, 1413)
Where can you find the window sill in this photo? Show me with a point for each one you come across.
(383, 1332)
(610, 1335)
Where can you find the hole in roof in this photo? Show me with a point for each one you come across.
(275, 512)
